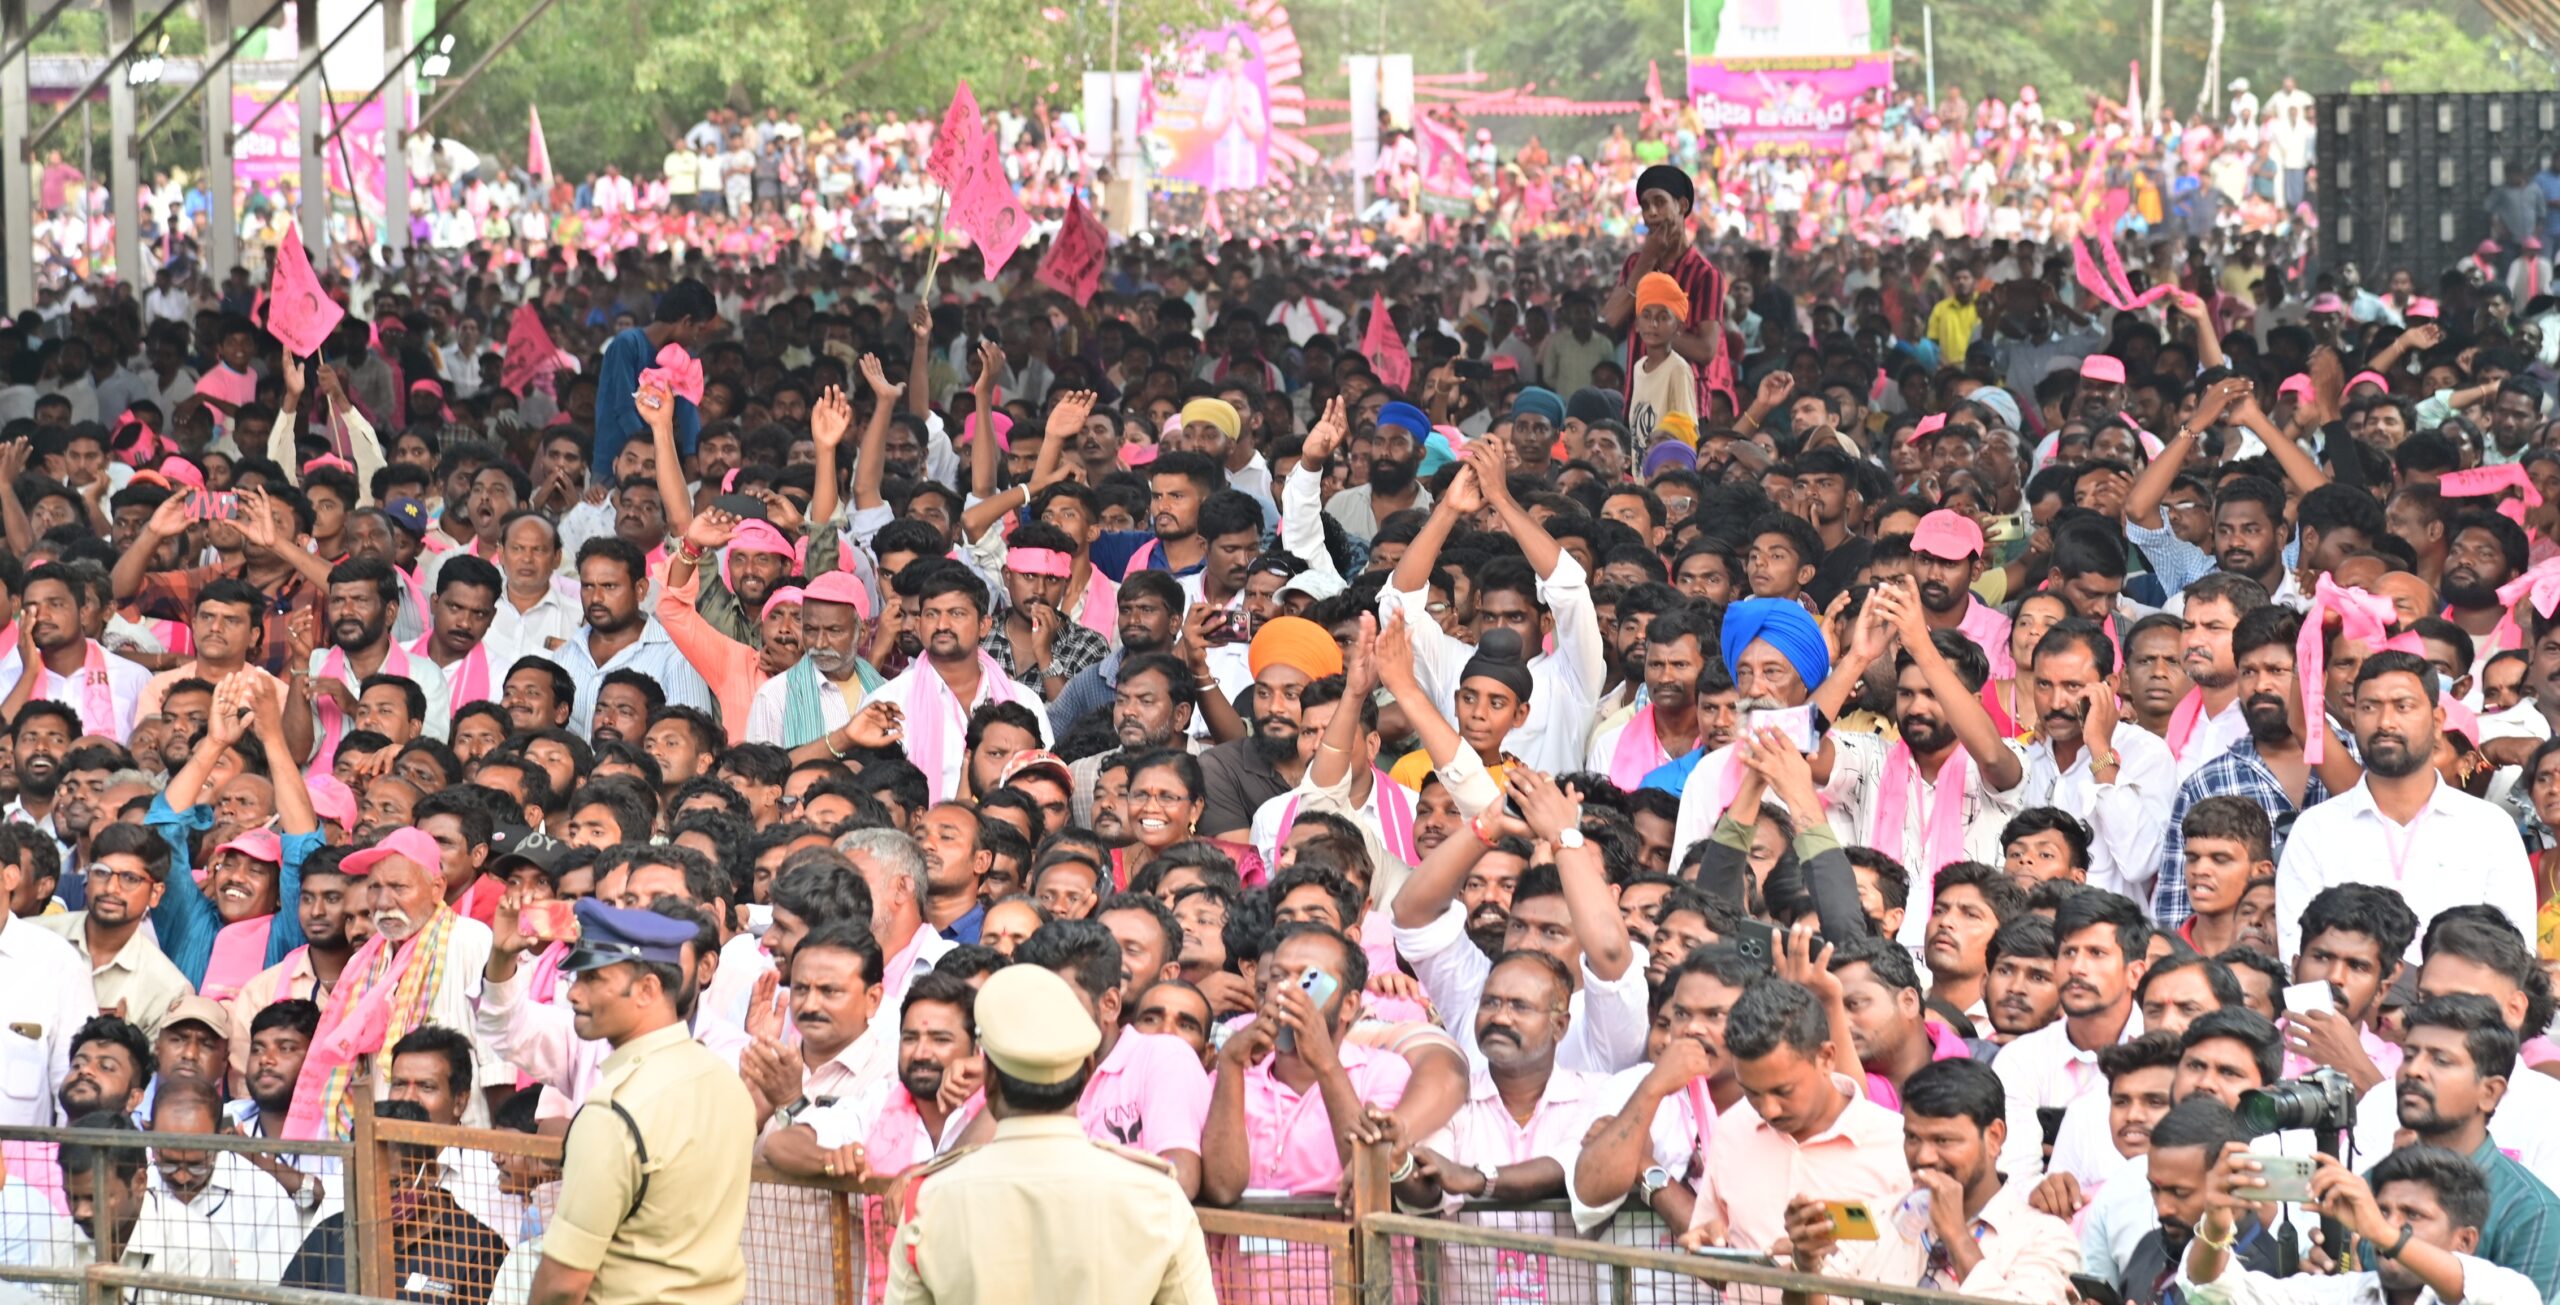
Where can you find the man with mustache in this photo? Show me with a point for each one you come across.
(222, 933)
(226, 627)
(2209, 719)
(834, 995)
(63, 663)
(1945, 789)
(363, 594)
(1669, 656)
(1778, 657)
(1394, 484)
(1287, 654)
(128, 865)
(2483, 551)
(457, 639)
(1152, 707)
(936, 695)
(2101, 940)
(538, 609)
(40, 737)
(2462, 1056)
(903, 1121)
(110, 1067)
(2353, 936)
(2402, 826)
(613, 575)
(1147, 1091)
(2270, 765)
(2112, 775)
(1947, 549)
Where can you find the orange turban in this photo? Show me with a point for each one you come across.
(1659, 288)
(1296, 642)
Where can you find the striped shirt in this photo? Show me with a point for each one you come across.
(1704, 285)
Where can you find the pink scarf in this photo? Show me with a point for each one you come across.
(333, 722)
(1395, 816)
(1638, 752)
(469, 681)
(352, 1026)
(97, 695)
(1100, 611)
(239, 952)
(1942, 836)
(939, 718)
(2363, 617)
(2182, 721)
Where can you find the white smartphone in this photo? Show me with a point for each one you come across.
(1795, 722)
(2309, 997)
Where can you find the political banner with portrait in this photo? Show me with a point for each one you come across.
(1787, 105)
(1210, 120)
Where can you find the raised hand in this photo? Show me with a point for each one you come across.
(832, 415)
(873, 376)
(168, 520)
(256, 521)
(657, 407)
(1067, 418)
(1327, 434)
(711, 528)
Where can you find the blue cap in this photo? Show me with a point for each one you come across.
(409, 513)
(1407, 416)
(612, 935)
(1539, 402)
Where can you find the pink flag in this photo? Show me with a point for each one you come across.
(299, 312)
(531, 357)
(958, 139)
(1384, 348)
(1073, 265)
(537, 151)
(1652, 81)
(984, 205)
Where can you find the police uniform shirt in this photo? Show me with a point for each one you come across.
(682, 1242)
(1042, 1213)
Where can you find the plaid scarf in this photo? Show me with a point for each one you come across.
(382, 995)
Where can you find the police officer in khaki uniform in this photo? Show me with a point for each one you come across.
(1041, 1212)
(653, 1193)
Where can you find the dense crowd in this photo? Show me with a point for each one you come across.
(1886, 759)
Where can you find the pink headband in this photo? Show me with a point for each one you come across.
(753, 536)
(1039, 561)
(786, 596)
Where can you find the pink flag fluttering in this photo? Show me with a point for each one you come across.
(531, 356)
(1384, 348)
(299, 312)
(1073, 265)
(984, 205)
(537, 151)
(958, 139)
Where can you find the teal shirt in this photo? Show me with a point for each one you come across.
(187, 920)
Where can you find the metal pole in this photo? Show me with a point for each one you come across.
(222, 244)
(310, 63)
(394, 93)
(206, 76)
(346, 159)
(1929, 47)
(17, 177)
(18, 43)
(472, 74)
(2152, 101)
(315, 112)
(124, 171)
(397, 68)
(114, 64)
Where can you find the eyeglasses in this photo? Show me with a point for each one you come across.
(99, 874)
(1144, 798)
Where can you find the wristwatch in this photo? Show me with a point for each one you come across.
(782, 1118)
(1492, 1177)
(1651, 1182)
(306, 1198)
(1571, 838)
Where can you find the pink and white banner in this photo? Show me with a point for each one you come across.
(274, 150)
(1788, 105)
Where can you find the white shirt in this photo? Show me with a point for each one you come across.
(915, 700)
(2213, 736)
(2045, 1070)
(850, 1119)
(653, 654)
(2127, 819)
(168, 1238)
(421, 671)
(262, 1225)
(1676, 1140)
(125, 681)
(1986, 812)
(515, 632)
(1610, 1019)
(1565, 683)
(2459, 850)
(1702, 798)
(764, 711)
(1305, 319)
(45, 997)
(2483, 1283)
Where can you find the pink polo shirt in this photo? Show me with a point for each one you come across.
(1149, 1093)
(1291, 1137)
(1759, 1169)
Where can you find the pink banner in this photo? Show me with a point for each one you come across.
(274, 150)
(1213, 127)
(1787, 105)
(1448, 188)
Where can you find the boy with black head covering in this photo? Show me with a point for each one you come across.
(1666, 195)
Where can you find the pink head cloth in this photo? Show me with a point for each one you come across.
(2541, 584)
(1004, 431)
(2106, 369)
(2364, 617)
(2427, 308)
(786, 596)
(1039, 561)
(328, 460)
(2369, 378)
(753, 536)
(1139, 455)
(2480, 481)
(679, 371)
(839, 587)
(182, 472)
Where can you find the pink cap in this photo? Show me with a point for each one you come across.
(786, 596)
(754, 536)
(1004, 431)
(1947, 535)
(332, 800)
(2368, 378)
(256, 844)
(2298, 386)
(2427, 308)
(2106, 369)
(1503, 362)
(407, 841)
(839, 587)
(2328, 304)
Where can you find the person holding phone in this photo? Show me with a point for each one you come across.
(2422, 1210)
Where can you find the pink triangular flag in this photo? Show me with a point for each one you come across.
(299, 311)
(1384, 348)
(531, 356)
(958, 139)
(537, 151)
(1073, 265)
(983, 204)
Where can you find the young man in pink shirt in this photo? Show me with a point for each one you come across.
(1147, 1090)
(1263, 1135)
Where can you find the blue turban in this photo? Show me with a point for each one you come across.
(1786, 627)
(1407, 416)
(1541, 402)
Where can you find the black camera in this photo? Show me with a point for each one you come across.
(2322, 1101)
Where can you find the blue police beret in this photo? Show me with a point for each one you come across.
(612, 935)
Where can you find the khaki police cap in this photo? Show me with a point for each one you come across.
(1032, 1026)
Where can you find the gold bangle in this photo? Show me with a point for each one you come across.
(2223, 1246)
(1322, 746)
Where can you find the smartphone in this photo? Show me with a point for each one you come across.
(553, 921)
(2281, 1178)
(1319, 987)
(1756, 939)
(1852, 1221)
(2309, 997)
(1795, 722)
(1736, 1255)
(2096, 1291)
(745, 507)
(208, 506)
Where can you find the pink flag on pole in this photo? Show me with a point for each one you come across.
(984, 205)
(1073, 265)
(531, 356)
(958, 139)
(1384, 348)
(299, 311)
(537, 151)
